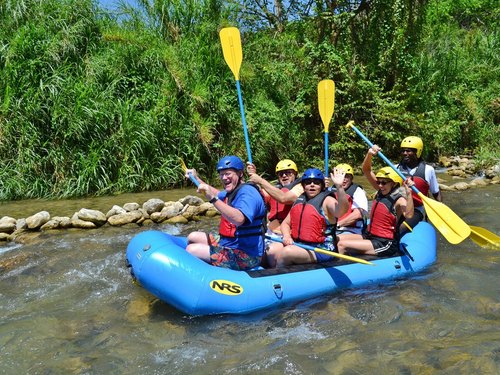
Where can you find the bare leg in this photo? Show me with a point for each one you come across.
(274, 250)
(294, 255)
(355, 243)
(198, 245)
(197, 237)
(199, 250)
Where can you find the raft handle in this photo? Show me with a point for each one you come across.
(278, 291)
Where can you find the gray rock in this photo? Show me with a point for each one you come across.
(460, 186)
(21, 224)
(480, 181)
(7, 224)
(126, 218)
(64, 221)
(82, 224)
(115, 210)
(51, 224)
(129, 207)
(153, 205)
(191, 200)
(94, 216)
(177, 220)
(37, 220)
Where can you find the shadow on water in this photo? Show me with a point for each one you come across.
(68, 305)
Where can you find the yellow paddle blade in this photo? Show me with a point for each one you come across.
(342, 256)
(231, 47)
(484, 237)
(183, 165)
(451, 226)
(326, 101)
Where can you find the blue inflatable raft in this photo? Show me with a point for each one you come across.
(160, 263)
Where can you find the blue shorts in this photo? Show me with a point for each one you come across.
(226, 257)
(328, 245)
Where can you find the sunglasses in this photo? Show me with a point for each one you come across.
(284, 173)
(315, 181)
(382, 182)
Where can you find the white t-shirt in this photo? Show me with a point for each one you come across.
(359, 200)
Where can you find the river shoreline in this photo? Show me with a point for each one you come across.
(459, 170)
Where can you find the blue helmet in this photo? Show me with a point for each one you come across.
(231, 161)
(313, 173)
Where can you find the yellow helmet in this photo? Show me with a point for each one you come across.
(286, 164)
(346, 167)
(413, 142)
(388, 172)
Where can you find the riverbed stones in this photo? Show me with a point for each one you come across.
(7, 224)
(191, 200)
(177, 220)
(153, 205)
(76, 222)
(479, 181)
(129, 207)
(115, 210)
(57, 222)
(37, 220)
(125, 218)
(94, 216)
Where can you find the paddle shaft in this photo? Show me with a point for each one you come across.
(326, 154)
(383, 157)
(322, 251)
(451, 226)
(244, 121)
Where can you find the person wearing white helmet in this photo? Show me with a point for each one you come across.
(239, 244)
(280, 197)
(311, 220)
(412, 165)
(353, 221)
(389, 209)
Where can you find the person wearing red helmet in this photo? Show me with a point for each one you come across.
(240, 242)
(280, 197)
(311, 220)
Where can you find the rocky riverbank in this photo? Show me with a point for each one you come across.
(462, 169)
(152, 211)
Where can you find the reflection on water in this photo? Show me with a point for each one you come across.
(68, 306)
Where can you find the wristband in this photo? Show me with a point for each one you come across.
(214, 199)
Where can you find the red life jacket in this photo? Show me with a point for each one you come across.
(350, 194)
(383, 216)
(307, 221)
(420, 181)
(278, 210)
(228, 229)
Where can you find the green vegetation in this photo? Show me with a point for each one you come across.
(99, 103)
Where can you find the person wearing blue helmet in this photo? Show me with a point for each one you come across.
(311, 220)
(239, 244)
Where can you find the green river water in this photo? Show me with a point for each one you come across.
(68, 306)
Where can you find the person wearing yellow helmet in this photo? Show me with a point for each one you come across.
(423, 174)
(311, 220)
(280, 197)
(389, 209)
(353, 221)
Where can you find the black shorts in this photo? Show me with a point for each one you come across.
(383, 247)
(418, 216)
